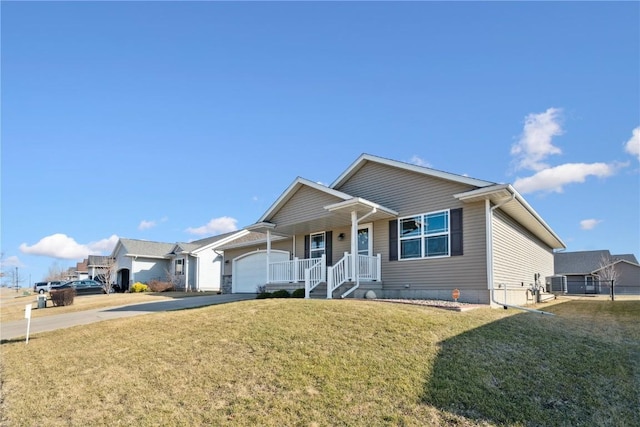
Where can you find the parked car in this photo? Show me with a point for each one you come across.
(82, 287)
(42, 287)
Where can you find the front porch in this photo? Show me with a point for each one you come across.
(351, 270)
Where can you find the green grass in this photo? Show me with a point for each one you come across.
(301, 362)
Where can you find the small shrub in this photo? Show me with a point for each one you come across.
(264, 295)
(139, 287)
(282, 293)
(298, 293)
(261, 289)
(160, 286)
(62, 297)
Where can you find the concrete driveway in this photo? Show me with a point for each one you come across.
(17, 329)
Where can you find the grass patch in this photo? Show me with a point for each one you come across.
(312, 362)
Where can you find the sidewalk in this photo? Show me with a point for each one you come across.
(16, 329)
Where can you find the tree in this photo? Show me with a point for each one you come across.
(106, 272)
(608, 272)
(55, 272)
(176, 280)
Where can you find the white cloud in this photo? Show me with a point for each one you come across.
(12, 261)
(220, 225)
(589, 224)
(535, 143)
(633, 144)
(553, 179)
(62, 246)
(145, 225)
(418, 161)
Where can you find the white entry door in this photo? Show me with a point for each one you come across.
(365, 239)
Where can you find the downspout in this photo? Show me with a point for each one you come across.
(354, 247)
(489, 227)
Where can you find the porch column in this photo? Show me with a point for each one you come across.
(354, 244)
(186, 273)
(268, 252)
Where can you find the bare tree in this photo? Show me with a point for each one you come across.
(55, 272)
(176, 280)
(107, 273)
(608, 272)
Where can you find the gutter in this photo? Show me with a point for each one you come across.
(489, 228)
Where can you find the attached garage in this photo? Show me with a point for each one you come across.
(250, 270)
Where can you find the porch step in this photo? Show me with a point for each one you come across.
(320, 292)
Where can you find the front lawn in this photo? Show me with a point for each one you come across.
(317, 363)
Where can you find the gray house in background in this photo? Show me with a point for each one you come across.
(585, 272)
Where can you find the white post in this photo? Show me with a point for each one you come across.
(296, 270)
(186, 273)
(354, 244)
(268, 252)
(378, 268)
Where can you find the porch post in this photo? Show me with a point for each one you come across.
(354, 244)
(268, 252)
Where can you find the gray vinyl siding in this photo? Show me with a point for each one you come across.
(410, 193)
(305, 205)
(467, 271)
(404, 191)
(628, 280)
(517, 254)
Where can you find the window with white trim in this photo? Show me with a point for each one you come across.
(317, 245)
(424, 236)
(179, 267)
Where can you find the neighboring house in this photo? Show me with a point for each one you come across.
(97, 267)
(194, 266)
(589, 272)
(198, 264)
(140, 261)
(400, 230)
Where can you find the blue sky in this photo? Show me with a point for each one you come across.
(173, 121)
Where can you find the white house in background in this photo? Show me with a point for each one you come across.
(199, 264)
(196, 265)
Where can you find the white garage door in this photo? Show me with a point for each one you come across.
(250, 270)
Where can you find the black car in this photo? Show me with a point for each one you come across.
(82, 287)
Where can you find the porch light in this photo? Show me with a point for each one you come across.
(341, 236)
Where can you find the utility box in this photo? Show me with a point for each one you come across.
(42, 301)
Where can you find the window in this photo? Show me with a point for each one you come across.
(179, 267)
(317, 247)
(424, 236)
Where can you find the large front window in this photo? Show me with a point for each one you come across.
(317, 247)
(424, 236)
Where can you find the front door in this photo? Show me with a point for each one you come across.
(365, 240)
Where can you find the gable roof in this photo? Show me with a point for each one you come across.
(208, 242)
(364, 158)
(513, 204)
(144, 248)
(252, 238)
(291, 190)
(587, 262)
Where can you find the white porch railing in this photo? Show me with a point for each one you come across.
(369, 267)
(369, 270)
(314, 275)
(293, 270)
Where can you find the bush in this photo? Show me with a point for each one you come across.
(139, 287)
(282, 293)
(298, 293)
(160, 286)
(264, 295)
(62, 297)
